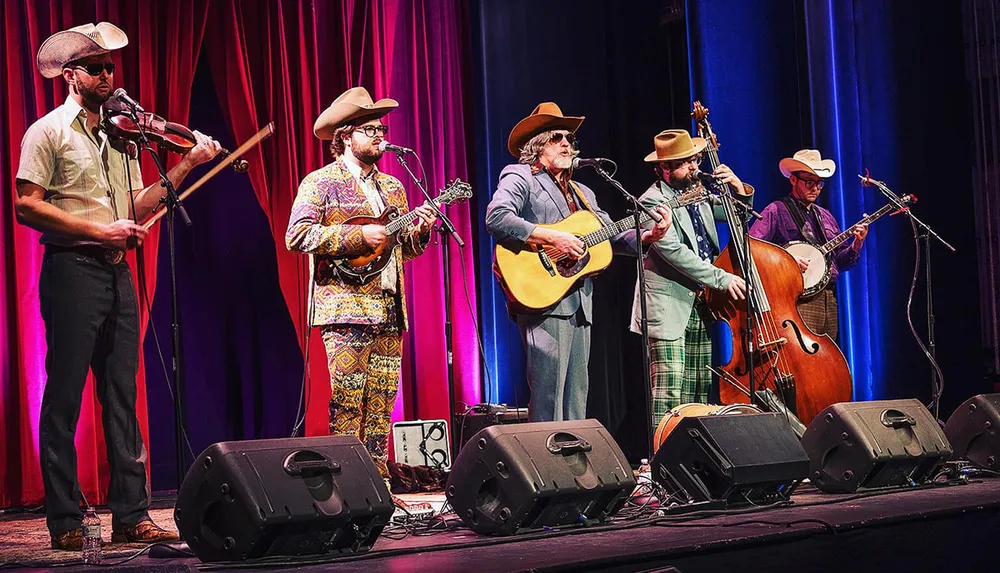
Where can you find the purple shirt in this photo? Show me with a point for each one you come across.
(778, 226)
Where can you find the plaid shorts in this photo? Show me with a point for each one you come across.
(678, 368)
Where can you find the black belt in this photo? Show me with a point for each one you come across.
(110, 256)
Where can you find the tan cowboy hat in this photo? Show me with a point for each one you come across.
(353, 104)
(672, 144)
(64, 47)
(807, 160)
(546, 116)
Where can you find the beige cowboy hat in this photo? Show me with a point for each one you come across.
(672, 144)
(546, 116)
(70, 45)
(808, 160)
(353, 104)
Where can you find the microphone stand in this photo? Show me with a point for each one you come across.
(637, 210)
(923, 234)
(173, 205)
(445, 228)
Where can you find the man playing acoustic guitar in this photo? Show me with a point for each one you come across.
(362, 324)
(536, 191)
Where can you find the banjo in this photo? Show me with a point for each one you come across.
(817, 274)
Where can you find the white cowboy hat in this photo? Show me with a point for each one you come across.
(355, 103)
(64, 47)
(808, 160)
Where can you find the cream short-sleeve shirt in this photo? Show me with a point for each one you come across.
(81, 173)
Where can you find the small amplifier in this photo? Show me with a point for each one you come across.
(422, 443)
(485, 415)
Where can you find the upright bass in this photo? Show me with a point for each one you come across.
(774, 351)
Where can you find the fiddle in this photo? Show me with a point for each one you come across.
(172, 136)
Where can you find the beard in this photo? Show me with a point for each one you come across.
(368, 154)
(562, 163)
(682, 183)
(94, 96)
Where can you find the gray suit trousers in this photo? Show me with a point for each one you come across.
(558, 352)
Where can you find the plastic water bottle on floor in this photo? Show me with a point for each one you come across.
(91, 537)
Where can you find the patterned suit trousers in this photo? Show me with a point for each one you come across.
(364, 365)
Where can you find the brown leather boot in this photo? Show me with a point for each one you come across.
(144, 532)
(71, 540)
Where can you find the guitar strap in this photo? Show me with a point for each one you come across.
(583, 200)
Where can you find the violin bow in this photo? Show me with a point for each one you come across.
(250, 143)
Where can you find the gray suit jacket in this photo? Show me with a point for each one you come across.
(675, 273)
(521, 202)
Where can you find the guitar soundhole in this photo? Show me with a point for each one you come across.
(569, 268)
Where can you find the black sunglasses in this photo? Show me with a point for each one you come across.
(558, 136)
(95, 69)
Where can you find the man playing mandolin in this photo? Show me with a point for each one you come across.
(797, 217)
(680, 349)
(537, 191)
(362, 323)
(75, 187)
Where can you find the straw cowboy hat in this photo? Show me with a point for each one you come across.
(546, 116)
(807, 160)
(64, 47)
(355, 103)
(672, 144)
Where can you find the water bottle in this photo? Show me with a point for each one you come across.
(91, 537)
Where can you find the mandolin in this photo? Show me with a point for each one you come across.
(364, 267)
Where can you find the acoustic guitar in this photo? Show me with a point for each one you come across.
(364, 267)
(536, 278)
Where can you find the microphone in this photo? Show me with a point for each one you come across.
(706, 177)
(591, 162)
(123, 97)
(386, 146)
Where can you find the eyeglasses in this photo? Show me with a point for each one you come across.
(372, 130)
(812, 183)
(96, 69)
(558, 136)
(694, 160)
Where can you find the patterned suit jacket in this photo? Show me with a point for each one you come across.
(326, 198)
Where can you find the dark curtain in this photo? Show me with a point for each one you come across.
(626, 71)
(859, 80)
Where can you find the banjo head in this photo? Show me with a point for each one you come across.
(815, 277)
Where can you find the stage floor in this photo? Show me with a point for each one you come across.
(934, 529)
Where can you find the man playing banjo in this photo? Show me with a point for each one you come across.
(797, 217)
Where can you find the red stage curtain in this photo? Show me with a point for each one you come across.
(286, 61)
(157, 67)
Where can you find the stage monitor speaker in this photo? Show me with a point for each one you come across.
(290, 497)
(526, 477)
(749, 459)
(972, 430)
(870, 445)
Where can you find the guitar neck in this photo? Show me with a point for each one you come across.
(841, 238)
(606, 233)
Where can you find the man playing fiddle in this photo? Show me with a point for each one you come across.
(85, 198)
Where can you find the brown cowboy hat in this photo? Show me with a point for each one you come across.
(353, 104)
(672, 144)
(546, 116)
(808, 160)
(70, 45)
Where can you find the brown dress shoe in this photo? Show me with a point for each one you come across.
(71, 540)
(144, 532)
